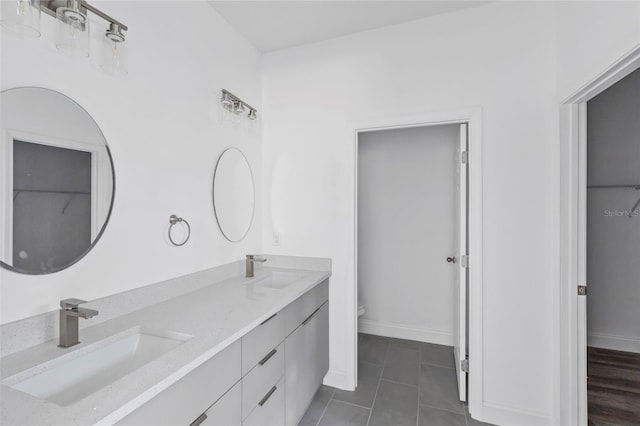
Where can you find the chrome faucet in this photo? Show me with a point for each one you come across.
(69, 314)
(251, 259)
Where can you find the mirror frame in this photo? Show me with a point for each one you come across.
(213, 198)
(113, 190)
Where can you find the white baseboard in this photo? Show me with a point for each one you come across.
(401, 331)
(508, 416)
(336, 379)
(616, 343)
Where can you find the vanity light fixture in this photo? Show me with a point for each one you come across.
(72, 37)
(232, 103)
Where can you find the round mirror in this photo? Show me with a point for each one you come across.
(57, 181)
(233, 194)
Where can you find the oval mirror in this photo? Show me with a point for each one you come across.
(57, 181)
(233, 196)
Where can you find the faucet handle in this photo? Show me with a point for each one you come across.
(72, 303)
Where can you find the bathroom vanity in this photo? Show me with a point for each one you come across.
(235, 351)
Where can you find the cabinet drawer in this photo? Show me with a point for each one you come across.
(193, 394)
(305, 305)
(262, 339)
(258, 381)
(225, 412)
(271, 412)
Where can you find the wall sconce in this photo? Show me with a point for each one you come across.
(232, 103)
(72, 37)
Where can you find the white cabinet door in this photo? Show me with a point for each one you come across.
(225, 412)
(306, 363)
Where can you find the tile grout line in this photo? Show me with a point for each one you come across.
(373, 404)
(444, 409)
(326, 406)
(401, 383)
(350, 403)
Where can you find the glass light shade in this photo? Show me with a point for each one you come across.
(114, 56)
(239, 108)
(226, 101)
(73, 32)
(21, 17)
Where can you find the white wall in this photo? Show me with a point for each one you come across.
(501, 57)
(406, 230)
(613, 239)
(162, 127)
(591, 36)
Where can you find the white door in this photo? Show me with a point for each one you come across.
(460, 263)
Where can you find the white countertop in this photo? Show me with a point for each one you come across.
(215, 315)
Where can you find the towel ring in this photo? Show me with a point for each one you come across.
(173, 219)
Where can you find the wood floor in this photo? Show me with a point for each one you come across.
(613, 387)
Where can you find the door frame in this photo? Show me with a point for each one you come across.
(573, 187)
(99, 200)
(473, 118)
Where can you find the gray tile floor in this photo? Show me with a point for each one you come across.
(400, 382)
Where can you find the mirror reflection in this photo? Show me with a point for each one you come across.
(233, 195)
(58, 181)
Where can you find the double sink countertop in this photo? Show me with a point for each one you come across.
(214, 316)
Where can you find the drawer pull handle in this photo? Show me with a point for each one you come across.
(264, 360)
(310, 317)
(267, 396)
(265, 321)
(199, 420)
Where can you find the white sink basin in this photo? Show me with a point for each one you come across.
(66, 381)
(277, 280)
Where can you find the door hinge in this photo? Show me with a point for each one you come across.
(464, 365)
(464, 261)
(582, 290)
(464, 157)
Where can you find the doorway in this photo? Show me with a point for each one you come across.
(612, 246)
(458, 123)
(580, 192)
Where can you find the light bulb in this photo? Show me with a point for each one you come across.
(21, 17)
(226, 101)
(114, 52)
(73, 32)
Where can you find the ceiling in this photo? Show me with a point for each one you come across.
(275, 25)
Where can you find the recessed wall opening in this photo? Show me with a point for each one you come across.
(417, 217)
(612, 247)
(407, 224)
